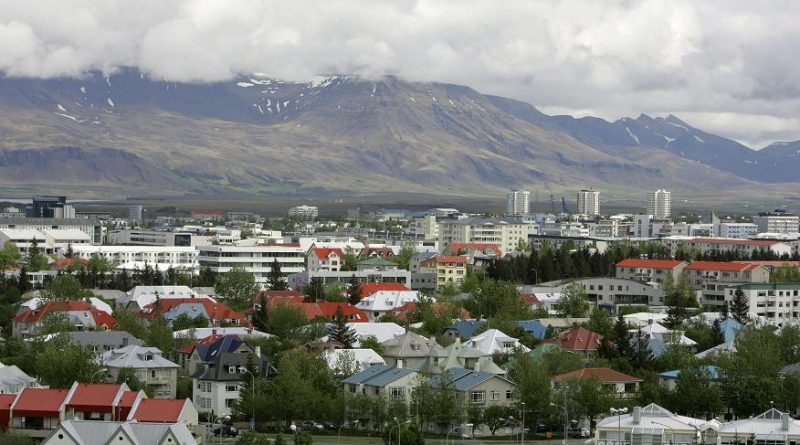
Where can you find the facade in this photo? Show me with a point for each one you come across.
(426, 226)
(255, 259)
(737, 230)
(505, 233)
(304, 212)
(650, 271)
(92, 228)
(711, 279)
(518, 202)
(624, 385)
(300, 279)
(156, 372)
(778, 222)
(142, 237)
(776, 303)
(327, 259)
(449, 270)
(659, 204)
(651, 424)
(478, 388)
(408, 350)
(88, 432)
(606, 293)
(588, 202)
(175, 256)
(49, 241)
(395, 384)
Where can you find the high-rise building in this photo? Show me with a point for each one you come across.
(659, 204)
(135, 213)
(588, 202)
(518, 202)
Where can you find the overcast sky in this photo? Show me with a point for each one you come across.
(726, 66)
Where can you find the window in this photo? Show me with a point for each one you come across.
(477, 397)
(231, 369)
(398, 393)
(229, 402)
(495, 395)
(509, 394)
(231, 388)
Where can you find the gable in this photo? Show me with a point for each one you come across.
(61, 436)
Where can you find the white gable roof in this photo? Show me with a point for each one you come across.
(387, 300)
(492, 341)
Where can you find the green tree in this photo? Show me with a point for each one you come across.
(276, 279)
(65, 287)
(54, 323)
(696, 394)
(314, 290)
(533, 385)
(159, 335)
(285, 320)
(36, 259)
(9, 256)
(184, 321)
(590, 398)
(128, 320)
(59, 364)
(206, 277)
(237, 288)
(15, 439)
(600, 322)
(494, 417)
(371, 342)
(740, 306)
(573, 302)
(354, 291)
(350, 260)
(339, 331)
(639, 353)
(497, 299)
(621, 338)
(785, 274)
(404, 256)
(437, 402)
(129, 377)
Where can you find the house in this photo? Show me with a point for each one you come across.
(383, 302)
(463, 329)
(403, 312)
(724, 348)
(215, 312)
(534, 328)
(102, 341)
(396, 384)
(459, 355)
(13, 380)
(579, 340)
(479, 388)
(449, 270)
(38, 409)
(381, 331)
(384, 252)
(619, 383)
(325, 258)
(164, 411)
(93, 401)
(156, 372)
(771, 426)
(216, 384)
(142, 296)
(669, 379)
(81, 314)
(652, 424)
(312, 311)
(650, 271)
(192, 355)
(408, 350)
(361, 358)
(367, 289)
(659, 337)
(87, 432)
(494, 341)
(713, 280)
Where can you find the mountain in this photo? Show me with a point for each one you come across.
(128, 134)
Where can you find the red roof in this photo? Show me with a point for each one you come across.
(481, 247)
(368, 289)
(605, 375)
(158, 410)
(721, 265)
(30, 316)
(578, 339)
(39, 402)
(445, 259)
(772, 263)
(650, 264)
(381, 252)
(401, 313)
(530, 299)
(6, 400)
(324, 252)
(353, 314)
(740, 242)
(60, 263)
(94, 397)
(216, 311)
(126, 403)
(210, 340)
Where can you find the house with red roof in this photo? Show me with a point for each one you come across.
(578, 339)
(369, 288)
(478, 254)
(403, 312)
(215, 312)
(328, 259)
(649, 271)
(69, 263)
(39, 410)
(94, 401)
(625, 385)
(81, 314)
(164, 411)
(379, 252)
(448, 269)
(712, 279)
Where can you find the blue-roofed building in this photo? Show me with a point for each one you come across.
(669, 378)
(463, 328)
(533, 327)
(479, 388)
(383, 381)
(730, 329)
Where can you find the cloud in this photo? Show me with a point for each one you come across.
(727, 63)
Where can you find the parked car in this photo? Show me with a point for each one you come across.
(226, 431)
(330, 426)
(578, 432)
(542, 428)
(313, 426)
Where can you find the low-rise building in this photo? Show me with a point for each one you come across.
(650, 271)
(449, 270)
(651, 424)
(80, 314)
(257, 259)
(711, 279)
(624, 385)
(478, 388)
(776, 303)
(579, 340)
(323, 258)
(771, 427)
(408, 350)
(360, 358)
(383, 302)
(393, 383)
(495, 341)
(157, 373)
(88, 432)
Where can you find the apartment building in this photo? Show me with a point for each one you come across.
(712, 279)
(448, 269)
(255, 259)
(426, 226)
(777, 222)
(178, 257)
(588, 202)
(506, 233)
(518, 202)
(777, 303)
(304, 212)
(140, 237)
(736, 230)
(659, 204)
(742, 247)
(649, 271)
(48, 241)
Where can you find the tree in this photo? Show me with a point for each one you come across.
(261, 315)
(285, 320)
(404, 256)
(436, 401)
(740, 306)
(184, 321)
(314, 290)
(159, 335)
(9, 256)
(128, 320)
(128, 376)
(573, 302)
(590, 398)
(695, 393)
(276, 279)
(70, 251)
(338, 331)
(494, 417)
(371, 342)
(533, 385)
(237, 287)
(36, 259)
(54, 323)
(640, 356)
(785, 274)
(15, 439)
(354, 291)
(65, 287)
(350, 260)
(60, 364)
(206, 277)
(600, 322)
(497, 299)
(621, 337)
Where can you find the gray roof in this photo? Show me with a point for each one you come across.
(136, 357)
(217, 369)
(93, 432)
(118, 339)
(378, 375)
(464, 379)
(409, 344)
(790, 369)
(13, 376)
(363, 376)
(110, 294)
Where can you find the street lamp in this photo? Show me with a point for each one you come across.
(619, 412)
(293, 429)
(91, 379)
(522, 434)
(339, 434)
(253, 399)
(398, 430)
(447, 436)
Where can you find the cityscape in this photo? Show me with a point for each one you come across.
(415, 222)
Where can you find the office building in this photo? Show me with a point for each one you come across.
(777, 222)
(304, 212)
(50, 207)
(588, 203)
(659, 204)
(135, 213)
(505, 233)
(518, 202)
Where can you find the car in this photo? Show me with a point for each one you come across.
(542, 428)
(226, 431)
(329, 426)
(578, 432)
(313, 426)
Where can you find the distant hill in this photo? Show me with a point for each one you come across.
(132, 135)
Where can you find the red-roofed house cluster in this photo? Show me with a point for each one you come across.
(320, 309)
(82, 314)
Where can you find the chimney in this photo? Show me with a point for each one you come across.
(637, 415)
(124, 341)
(257, 351)
(785, 419)
(399, 363)
(213, 331)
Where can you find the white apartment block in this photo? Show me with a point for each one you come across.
(777, 223)
(426, 226)
(92, 228)
(48, 240)
(518, 202)
(506, 233)
(255, 259)
(175, 256)
(737, 230)
(588, 202)
(156, 238)
(659, 204)
(777, 303)
(305, 212)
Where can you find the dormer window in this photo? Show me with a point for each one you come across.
(148, 357)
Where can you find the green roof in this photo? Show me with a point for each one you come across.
(376, 261)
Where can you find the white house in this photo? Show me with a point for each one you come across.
(380, 331)
(361, 358)
(385, 301)
(325, 258)
(496, 341)
(141, 296)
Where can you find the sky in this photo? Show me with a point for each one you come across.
(726, 66)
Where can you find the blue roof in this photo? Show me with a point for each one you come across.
(730, 328)
(464, 379)
(363, 376)
(712, 370)
(227, 344)
(465, 328)
(389, 376)
(533, 327)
